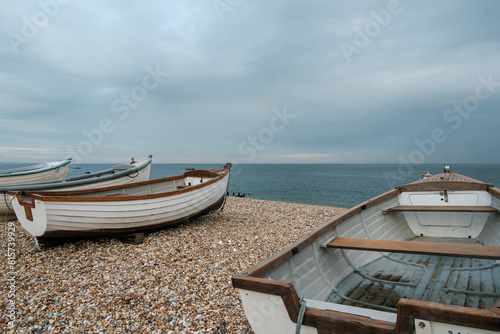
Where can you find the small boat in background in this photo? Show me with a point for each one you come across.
(121, 210)
(421, 258)
(45, 171)
(189, 168)
(136, 171)
(425, 175)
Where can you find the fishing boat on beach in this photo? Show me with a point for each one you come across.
(422, 258)
(121, 210)
(45, 171)
(135, 171)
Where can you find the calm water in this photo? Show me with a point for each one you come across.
(342, 185)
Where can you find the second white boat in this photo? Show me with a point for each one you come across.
(114, 211)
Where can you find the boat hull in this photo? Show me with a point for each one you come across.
(116, 213)
(123, 229)
(44, 172)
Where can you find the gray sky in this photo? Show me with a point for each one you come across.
(250, 81)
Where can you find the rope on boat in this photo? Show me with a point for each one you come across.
(8, 204)
(302, 310)
(136, 174)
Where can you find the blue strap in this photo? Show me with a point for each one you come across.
(302, 310)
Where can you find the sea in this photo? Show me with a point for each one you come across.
(339, 185)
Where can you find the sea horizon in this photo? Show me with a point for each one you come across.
(332, 184)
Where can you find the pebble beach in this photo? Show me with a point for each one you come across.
(177, 281)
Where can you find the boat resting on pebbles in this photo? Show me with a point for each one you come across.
(421, 258)
(45, 171)
(135, 171)
(121, 210)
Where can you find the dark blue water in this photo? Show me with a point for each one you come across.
(342, 185)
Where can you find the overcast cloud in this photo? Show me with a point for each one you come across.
(250, 81)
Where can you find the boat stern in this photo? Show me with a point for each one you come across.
(31, 214)
(267, 314)
(271, 306)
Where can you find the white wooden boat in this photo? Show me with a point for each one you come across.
(422, 258)
(45, 171)
(136, 171)
(114, 211)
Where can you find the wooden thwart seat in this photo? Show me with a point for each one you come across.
(441, 208)
(429, 248)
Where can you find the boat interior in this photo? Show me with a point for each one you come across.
(379, 285)
(434, 246)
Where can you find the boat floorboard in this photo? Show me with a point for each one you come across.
(443, 279)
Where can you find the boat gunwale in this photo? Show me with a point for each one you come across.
(494, 191)
(35, 169)
(66, 196)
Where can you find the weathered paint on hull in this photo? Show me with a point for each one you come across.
(50, 236)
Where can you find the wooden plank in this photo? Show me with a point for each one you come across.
(410, 309)
(450, 182)
(133, 239)
(429, 248)
(441, 208)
